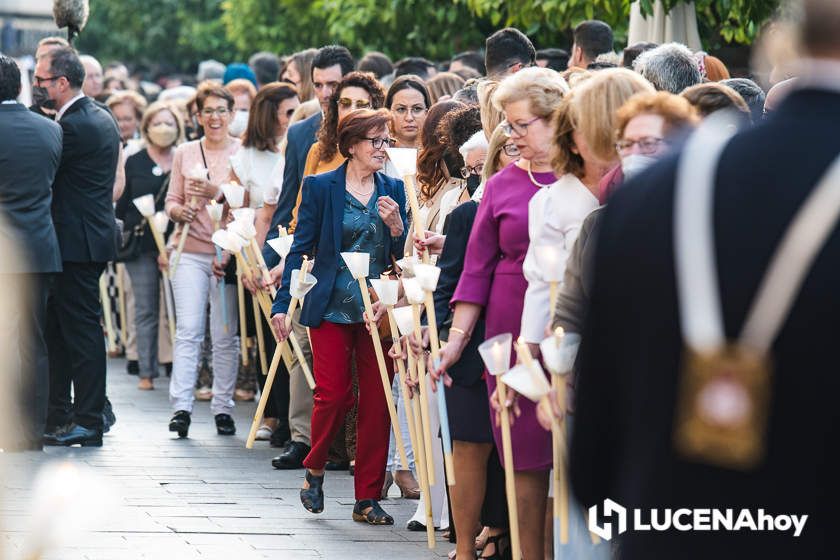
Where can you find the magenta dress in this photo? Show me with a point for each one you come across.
(493, 278)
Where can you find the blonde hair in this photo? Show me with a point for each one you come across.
(156, 108)
(493, 163)
(590, 109)
(675, 110)
(241, 85)
(542, 87)
(443, 84)
(138, 102)
(490, 116)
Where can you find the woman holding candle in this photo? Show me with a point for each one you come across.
(355, 208)
(493, 282)
(198, 170)
(147, 172)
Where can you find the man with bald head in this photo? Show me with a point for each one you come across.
(707, 376)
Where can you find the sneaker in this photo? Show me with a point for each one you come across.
(132, 367)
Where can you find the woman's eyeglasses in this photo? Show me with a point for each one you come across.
(520, 129)
(647, 145)
(466, 171)
(402, 111)
(380, 143)
(511, 150)
(346, 102)
(209, 112)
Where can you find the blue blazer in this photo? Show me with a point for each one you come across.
(318, 234)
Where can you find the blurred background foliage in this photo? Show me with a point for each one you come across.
(180, 33)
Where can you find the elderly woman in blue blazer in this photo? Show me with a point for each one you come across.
(355, 208)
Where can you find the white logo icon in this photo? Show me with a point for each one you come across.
(611, 508)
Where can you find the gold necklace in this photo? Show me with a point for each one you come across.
(360, 193)
(531, 177)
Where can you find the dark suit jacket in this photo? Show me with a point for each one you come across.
(30, 152)
(319, 233)
(299, 139)
(82, 209)
(622, 444)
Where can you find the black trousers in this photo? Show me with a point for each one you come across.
(76, 346)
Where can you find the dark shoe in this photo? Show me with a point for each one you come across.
(375, 516)
(292, 458)
(312, 498)
(180, 423)
(415, 526)
(77, 435)
(497, 548)
(132, 367)
(337, 465)
(168, 369)
(51, 432)
(225, 425)
(108, 416)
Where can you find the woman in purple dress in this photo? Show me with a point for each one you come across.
(493, 281)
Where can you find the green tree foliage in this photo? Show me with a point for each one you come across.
(177, 32)
(182, 32)
(396, 27)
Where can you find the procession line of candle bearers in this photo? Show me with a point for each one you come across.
(416, 284)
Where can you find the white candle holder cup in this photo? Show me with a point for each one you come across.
(215, 210)
(388, 291)
(145, 205)
(427, 275)
(407, 265)
(281, 245)
(548, 260)
(198, 172)
(528, 381)
(404, 159)
(300, 285)
(404, 316)
(559, 355)
(223, 239)
(160, 221)
(357, 263)
(234, 194)
(247, 215)
(243, 229)
(495, 352)
(413, 291)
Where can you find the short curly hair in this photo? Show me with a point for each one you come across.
(328, 134)
(543, 88)
(458, 126)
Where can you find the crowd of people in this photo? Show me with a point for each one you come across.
(545, 190)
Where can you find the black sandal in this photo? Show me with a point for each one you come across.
(499, 553)
(312, 498)
(376, 515)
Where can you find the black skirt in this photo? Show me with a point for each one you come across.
(469, 412)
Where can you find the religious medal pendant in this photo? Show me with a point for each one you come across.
(721, 416)
(157, 171)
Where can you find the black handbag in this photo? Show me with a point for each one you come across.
(132, 238)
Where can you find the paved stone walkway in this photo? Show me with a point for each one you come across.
(202, 498)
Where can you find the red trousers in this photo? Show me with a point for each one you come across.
(333, 347)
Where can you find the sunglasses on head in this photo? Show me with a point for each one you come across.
(356, 104)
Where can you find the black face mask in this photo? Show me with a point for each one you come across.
(41, 98)
(472, 183)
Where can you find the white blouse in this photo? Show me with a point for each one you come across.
(261, 172)
(555, 215)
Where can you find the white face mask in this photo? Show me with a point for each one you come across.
(239, 123)
(634, 164)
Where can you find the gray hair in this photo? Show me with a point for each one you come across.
(210, 70)
(669, 67)
(475, 142)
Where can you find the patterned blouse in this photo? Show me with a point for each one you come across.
(362, 232)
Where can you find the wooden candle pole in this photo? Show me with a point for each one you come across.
(422, 389)
(167, 295)
(266, 275)
(260, 340)
(383, 372)
(240, 293)
(420, 461)
(414, 204)
(122, 298)
(395, 338)
(222, 297)
(185, 230)
(510, 483)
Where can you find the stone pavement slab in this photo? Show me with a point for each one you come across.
(148, 495)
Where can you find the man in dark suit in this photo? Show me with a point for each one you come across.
(629, 375)
(329, 66)
(30, 151)
(84, 221)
